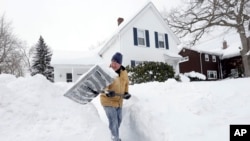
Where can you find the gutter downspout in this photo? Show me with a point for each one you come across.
(72, 71)
(201, 64)
(221, 73)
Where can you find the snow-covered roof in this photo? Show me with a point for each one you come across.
(76, 58)
(172, 55)
(215, 45)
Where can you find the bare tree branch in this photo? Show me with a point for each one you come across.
(200, 16)
(10, 52)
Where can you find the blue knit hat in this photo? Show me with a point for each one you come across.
(117, 57)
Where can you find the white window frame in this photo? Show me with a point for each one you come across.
(185, 59)
(214, 58)
(211, 73)
(206, 57)
(161, 40)
(138, 62)
(141, 37)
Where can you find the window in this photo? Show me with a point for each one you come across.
(161, 40)
(69, 77)
(185, 59)
(214, 58)
(141, 37)
(234, 73)
(211, 74)
(135, 63)
(138, 62)
(206, 57)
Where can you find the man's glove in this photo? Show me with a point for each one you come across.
(127, 96)
(110, 94)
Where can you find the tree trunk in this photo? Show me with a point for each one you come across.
(245, 57)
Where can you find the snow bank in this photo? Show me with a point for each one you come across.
(34, 109)
(194, 74)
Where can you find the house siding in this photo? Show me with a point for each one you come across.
(61, 71)
(148, 22)
(228, 58)
(193, 64)
(126, 40)
(210, 65)
(197, 63)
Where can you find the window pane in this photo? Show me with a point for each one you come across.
(184, 59)
(141, 41)
(69, 77)
(161, 41)
(160, 37)
(140, 33)
(214, 58)
(212, 74)
(206, 57)
(161, 44)
(138, 62)
(141, 37)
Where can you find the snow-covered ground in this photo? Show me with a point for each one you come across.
(33, 109)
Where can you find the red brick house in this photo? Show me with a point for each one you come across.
(202, 62)
(217, 63)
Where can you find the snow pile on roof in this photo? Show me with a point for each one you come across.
(215, 45)
(172, 54)
(76, 57)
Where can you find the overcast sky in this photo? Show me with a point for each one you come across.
(71, 24)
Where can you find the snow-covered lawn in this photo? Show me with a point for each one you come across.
(33, 109)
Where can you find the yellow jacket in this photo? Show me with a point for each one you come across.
(119, 86)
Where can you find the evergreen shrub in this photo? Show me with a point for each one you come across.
(150, 71)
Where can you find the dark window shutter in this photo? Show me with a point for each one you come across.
(166, 40)
(156, 40)
(147, 38)
(132, 63)
(135, 36)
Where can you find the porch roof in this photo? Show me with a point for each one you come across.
(172, 56)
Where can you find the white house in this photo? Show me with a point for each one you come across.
(69, 66)
(144, 37)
